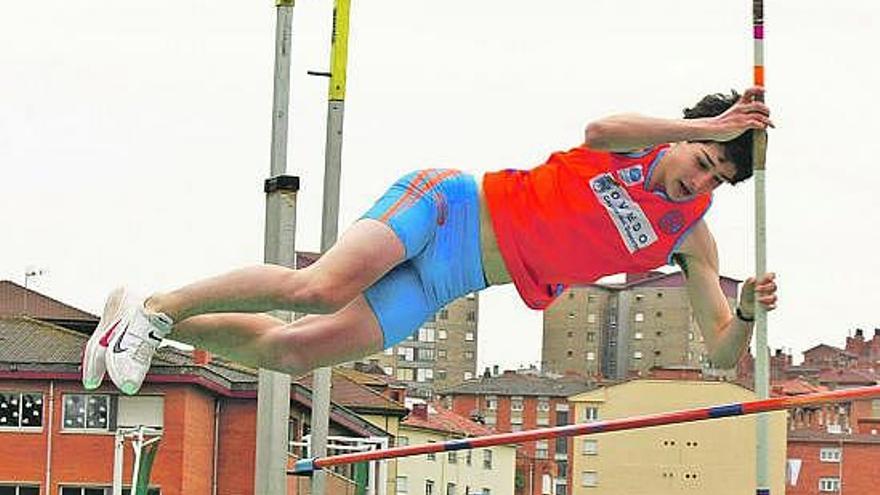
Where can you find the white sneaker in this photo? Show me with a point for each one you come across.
(133, 336)
(95, 350)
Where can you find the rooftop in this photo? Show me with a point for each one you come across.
(511, 383)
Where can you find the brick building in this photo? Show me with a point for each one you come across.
(617, 331)
(522, 401)
(57, 438)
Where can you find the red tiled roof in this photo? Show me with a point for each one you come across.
(15, 300)
(446, 421)
(847, 377)
(795, 386)
(347, 392)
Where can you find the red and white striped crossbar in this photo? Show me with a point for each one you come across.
(307, 466)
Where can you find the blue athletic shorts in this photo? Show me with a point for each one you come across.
(436, 215)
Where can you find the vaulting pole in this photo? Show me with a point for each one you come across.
(762, 353)
(307, 466)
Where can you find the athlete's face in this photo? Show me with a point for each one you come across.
(695, 168)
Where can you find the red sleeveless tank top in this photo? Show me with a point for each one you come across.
(582, 215)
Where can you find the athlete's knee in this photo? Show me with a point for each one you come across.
(312, 292)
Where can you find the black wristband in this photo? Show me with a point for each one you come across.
(741, 316)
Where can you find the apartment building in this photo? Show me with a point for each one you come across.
(617, 331)
(484, 471)
(716, 457)
(442, 353)
(516, 401)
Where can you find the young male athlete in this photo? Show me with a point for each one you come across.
(625, 201)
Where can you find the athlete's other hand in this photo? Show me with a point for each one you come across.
(763, 290)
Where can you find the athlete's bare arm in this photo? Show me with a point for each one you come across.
(726, 335)
(628, 132)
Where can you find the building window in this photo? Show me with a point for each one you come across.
(659, 295)
(571, 295)
(469, 336)
(402, 485)
(561, 470)
(487, 491)
(441, 334)
(440, 374)
(19, 490)
(424, 374)
(426, 335)
(591, 298)
(829, 484)
(452, 457)
(639, 297)
(691, 336)
(829, 454)
(21, 410)
(96, 490)
(86, 412)
(570, 334)
(491, 402)
(388, 370)
(516, 403)
(589, 478)
(406, 353)
(426, 354)
(443, 314)
(432, 456)
(591, 414)
(569, 353)
(441, 353)
(640, 317)
(429, 487)
(469, 355)
(468, 375)
(450, 488)
(637, 355)
(571, 315)
(637, 336)
(405, 374)
(591, 336)
(561, 448)
(591, 318)
(487, 459)
(468, 457)
(591, 356)
(659, 314)
(543, 404)
(470, 316)
(590, 447)
(402, 441)
(542, 449)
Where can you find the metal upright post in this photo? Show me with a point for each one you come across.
(762, 368)
(273, 396)
(330, 216)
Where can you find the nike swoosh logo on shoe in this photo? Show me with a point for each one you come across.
(116, 347)
(105, 339)
(154, 336)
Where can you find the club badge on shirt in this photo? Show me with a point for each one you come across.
(632, 224)
(631, 175)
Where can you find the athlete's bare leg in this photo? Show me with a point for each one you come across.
(262, 341)
(364, 253)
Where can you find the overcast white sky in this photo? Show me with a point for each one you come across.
(134, 137)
